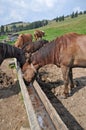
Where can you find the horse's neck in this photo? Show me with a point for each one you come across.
(41, 60)
(46, 55)
(25, 45)
(9, 51)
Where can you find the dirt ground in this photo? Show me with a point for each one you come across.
(12, 110)
(73, 109)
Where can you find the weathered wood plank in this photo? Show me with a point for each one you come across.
(59, 124)
(29, 108)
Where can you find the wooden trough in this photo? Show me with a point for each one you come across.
(41, 114)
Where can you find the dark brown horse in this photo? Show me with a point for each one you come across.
(67, 52)
(8, 51)
(31, 47)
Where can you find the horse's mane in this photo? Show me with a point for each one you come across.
(9, 51)
(6, 48)
(26, 44)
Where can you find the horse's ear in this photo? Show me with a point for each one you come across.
(21, 35)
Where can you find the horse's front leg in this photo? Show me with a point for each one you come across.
(66, 78)
(71, 79)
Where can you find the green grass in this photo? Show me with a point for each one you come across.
(55, 29)
(3, 37)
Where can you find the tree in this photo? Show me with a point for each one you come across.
(13, 28)
(63, 18)
(20, 28)
(2, 29)
(44, 22)
(84, 12)
(80, 13)
(57, 19)
(6, 29)
(76, 14)
(72, 15)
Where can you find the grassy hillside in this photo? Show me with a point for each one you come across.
(54, 29)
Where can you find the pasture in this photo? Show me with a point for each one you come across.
(54, 29)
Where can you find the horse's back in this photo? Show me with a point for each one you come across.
(72, 49)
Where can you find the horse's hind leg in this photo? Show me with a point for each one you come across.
(71, 79)
(65, 72)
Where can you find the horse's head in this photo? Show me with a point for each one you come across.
(20, 41)
(38, 34)
(20, 55)
(29, 72)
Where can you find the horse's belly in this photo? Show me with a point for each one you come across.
(80, 63)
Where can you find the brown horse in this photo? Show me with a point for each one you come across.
(34, 46)
(22, 39)
(67, 52)
(8, 51)
(38, 34)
